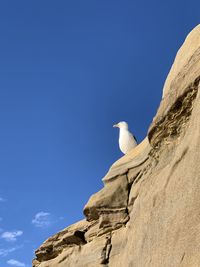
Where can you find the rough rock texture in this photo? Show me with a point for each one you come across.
(148, 212)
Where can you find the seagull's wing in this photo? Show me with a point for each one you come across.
(132, 137)
(135, 138)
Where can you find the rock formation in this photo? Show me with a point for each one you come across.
(148, 213)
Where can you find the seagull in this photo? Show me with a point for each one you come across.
(127, 141)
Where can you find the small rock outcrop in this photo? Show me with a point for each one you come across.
(148, 212)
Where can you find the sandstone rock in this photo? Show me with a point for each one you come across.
(185, 54)
(148, 212)
(183, 76)
(70, 236)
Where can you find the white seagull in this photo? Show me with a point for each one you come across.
(127, 141)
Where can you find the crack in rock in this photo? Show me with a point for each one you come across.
(106, 250)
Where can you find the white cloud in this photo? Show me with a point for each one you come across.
(5, 252)
(42, 219)
(16, 263)
(11, 236)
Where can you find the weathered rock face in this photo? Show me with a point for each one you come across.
(148, 213)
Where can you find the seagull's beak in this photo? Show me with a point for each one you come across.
(115, 125)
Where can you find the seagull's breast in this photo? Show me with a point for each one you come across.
(126, 141)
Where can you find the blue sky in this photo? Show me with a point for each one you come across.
(68, 71)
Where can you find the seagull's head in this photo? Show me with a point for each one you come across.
(121, 125)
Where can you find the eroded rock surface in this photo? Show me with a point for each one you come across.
(148, 212)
